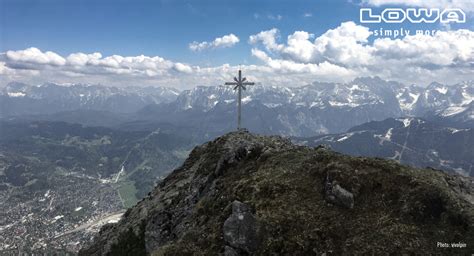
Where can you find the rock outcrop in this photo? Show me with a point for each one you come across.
(337, 195)
(244, 194)
(241, 228)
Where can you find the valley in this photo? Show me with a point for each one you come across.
(60, 182)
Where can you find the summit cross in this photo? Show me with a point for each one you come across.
(240, 84)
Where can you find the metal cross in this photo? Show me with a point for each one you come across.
(239, 84)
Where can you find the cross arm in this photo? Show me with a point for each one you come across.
(231, 83)
(248, 83)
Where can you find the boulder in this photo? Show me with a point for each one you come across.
(337, 195)
(240, 229)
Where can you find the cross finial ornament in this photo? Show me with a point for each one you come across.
(240, 84)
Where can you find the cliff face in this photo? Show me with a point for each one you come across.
(245, 194)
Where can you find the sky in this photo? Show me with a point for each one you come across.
(185, 43)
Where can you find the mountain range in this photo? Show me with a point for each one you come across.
(22, 99)
(412, 141)
(318, 108)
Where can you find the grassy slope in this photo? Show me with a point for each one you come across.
(397, 209)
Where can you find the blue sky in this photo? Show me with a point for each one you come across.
(166, 28)
(163, 28)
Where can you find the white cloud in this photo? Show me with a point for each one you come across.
(282, 66)
(274, 17)
(270, 16)
(268, 38)
(33, 56)
(346, 51)
(81, 59)
(466, 5)
(183, 68)
(220, 42)
(307, 15)
(119, 64)
(345, 44)
(45, 66)
(144, 70)
(446, 48)
(337, 55)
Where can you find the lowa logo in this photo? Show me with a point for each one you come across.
(413, 15)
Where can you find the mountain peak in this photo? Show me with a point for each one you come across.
(246, 194)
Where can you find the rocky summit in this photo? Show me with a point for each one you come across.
(245, 194)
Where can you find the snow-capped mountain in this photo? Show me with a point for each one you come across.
(443, 100)
(19, 98)
(318, 108)
(412, 141)
(408, 97)
(206, 97)
(313, 109)
(362, 91)
(413, 100)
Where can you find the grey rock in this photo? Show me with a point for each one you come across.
(337, 195)
(464, 186)
(235, 151)
(324, 147)
(229, 251)
(240, 229)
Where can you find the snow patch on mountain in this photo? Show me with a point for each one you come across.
(453, 110)
(388, 135)
(467, 97)
(406, 121)
(442, 90)
(454, 130)
(407, 102)
(16, 94)
(272, 105)
(345, 137)
(247, 99)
